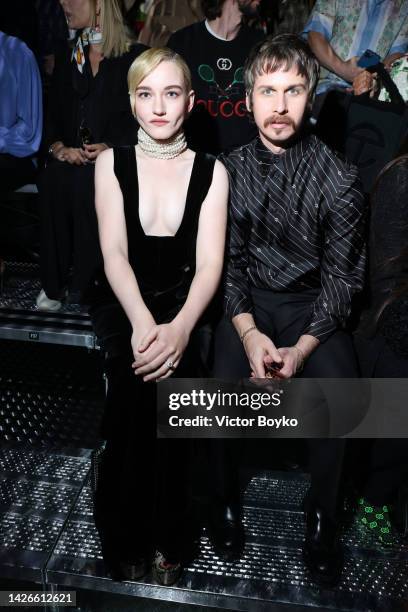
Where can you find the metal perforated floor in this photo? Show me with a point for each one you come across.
(47, 534)
(50, 395)
(21, 320)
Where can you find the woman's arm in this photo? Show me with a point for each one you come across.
(209, 252)
(113, 239)
(167, 342)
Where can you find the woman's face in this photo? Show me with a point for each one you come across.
(78, 13)
(161, 101)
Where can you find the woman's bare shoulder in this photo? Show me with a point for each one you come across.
(105, 158)
(220, 172)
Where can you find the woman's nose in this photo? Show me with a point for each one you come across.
(159, 106)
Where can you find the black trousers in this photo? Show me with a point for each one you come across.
(283, 316)
(69, 229)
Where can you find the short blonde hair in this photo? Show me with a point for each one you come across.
(148, 61)
(116, 36)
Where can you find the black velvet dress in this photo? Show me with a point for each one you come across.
(143, 498)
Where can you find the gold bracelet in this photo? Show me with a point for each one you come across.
(247, 332)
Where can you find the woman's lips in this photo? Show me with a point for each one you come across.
(158, 122)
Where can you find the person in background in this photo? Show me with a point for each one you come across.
(340, 31)
(285, 16)
(52, 33)
(381, 339)
(164, 17)
(215, 51)
(20, 113)
(88, 112)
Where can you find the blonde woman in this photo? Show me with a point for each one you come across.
(88, 112)
(162, 219)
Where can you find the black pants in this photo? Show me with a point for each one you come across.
(69, 229)
(282, 317)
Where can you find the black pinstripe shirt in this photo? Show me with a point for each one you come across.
(296, 223)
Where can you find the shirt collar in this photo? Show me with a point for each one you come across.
(289, 160)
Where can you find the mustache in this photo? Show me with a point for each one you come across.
(278, 119)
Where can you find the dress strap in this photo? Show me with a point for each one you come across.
(200, 183)
(124, 166)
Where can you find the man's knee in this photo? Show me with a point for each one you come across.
(335, 358)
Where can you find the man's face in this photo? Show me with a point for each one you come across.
(249, 8)
(278, 103)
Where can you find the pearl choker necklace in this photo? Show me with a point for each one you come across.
(161, 150)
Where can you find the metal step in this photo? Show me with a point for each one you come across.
(21, 320)
(47, 533)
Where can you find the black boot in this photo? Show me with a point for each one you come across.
(321, 550)
(225, 530)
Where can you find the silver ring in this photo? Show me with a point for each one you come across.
(170, 365)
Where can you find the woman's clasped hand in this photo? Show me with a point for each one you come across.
(159, 351)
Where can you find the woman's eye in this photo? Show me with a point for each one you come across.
(172, 94)
(268, 92)
(143, 94)
(294, 91)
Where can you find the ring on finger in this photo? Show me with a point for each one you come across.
(170, 365)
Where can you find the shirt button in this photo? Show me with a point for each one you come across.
(258, 249)
(304, 237)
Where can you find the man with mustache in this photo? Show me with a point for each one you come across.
(295, 257)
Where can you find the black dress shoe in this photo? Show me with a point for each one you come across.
(322, 553)
(225, 530)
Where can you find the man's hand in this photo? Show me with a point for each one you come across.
(91, 151)
(260, 351)
(162, 345)
(292, 359)
(365, 81)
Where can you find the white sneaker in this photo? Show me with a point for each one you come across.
(45, 303)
